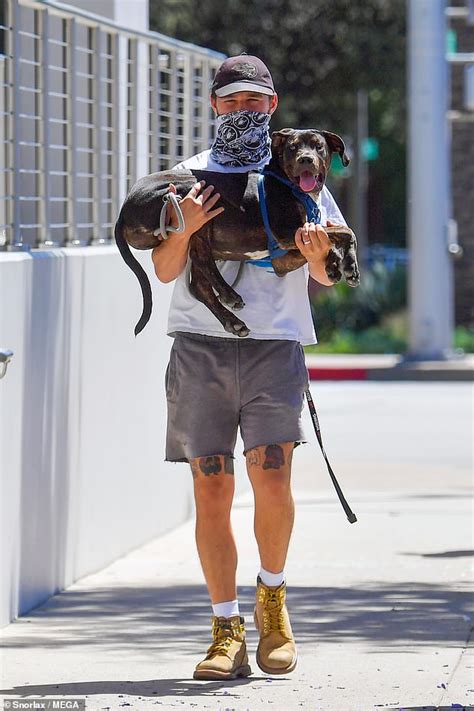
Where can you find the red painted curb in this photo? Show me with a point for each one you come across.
(337, 373)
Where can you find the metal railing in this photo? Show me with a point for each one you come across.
(87, 108)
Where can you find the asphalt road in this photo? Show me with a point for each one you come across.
(380, 608)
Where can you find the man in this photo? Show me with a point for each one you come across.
(216, 382)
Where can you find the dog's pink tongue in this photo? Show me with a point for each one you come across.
(307, 181)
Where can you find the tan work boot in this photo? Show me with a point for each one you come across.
(227, 656)
(276, 653)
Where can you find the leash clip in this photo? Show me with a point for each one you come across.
(163, 229)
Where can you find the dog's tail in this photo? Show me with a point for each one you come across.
(139, 272)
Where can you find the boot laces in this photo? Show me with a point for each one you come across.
(273, 618)
(223, 634)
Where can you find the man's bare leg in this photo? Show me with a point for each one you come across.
(269, 470)
(213, 493)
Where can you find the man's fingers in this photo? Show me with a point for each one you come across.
(214, 213)
(206, 193)
(208, 204)
(299, 239)
(196, 188)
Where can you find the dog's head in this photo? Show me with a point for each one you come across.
(305, 155)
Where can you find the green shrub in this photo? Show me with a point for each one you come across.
(371, 318)
(464, 338)
(388, 338)
(342, 308)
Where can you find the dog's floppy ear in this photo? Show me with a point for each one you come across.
(336, 145)
(279, 138)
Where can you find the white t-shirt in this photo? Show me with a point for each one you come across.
(275, 307)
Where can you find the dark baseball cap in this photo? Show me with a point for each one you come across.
(242, 73)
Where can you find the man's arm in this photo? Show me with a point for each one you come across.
(170, 256)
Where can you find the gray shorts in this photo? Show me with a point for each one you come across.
(214, 385)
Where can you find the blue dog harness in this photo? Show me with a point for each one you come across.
(313, 214)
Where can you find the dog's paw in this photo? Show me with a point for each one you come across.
(232, 301)
(238, 328)
(334, 273)
(352, 275)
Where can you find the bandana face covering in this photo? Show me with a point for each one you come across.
(242, 138)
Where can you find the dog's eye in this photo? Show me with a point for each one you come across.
(292, 147)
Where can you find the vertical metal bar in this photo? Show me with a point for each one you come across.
(430, 269)
(132, 113)
(149, 106)
(155, 104)
(188, 105)
(206, 122)
(44, 210)
(98, 158)
(210, 112)
(141, 108)
(173, 107)
(17, 241)
(8, 130)
(118, 67)
(72, 236)
(110, 152)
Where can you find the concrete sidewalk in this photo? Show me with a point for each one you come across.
(379, 608)
(388, 367)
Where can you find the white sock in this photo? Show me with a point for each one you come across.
(272, 580)
(226, 609)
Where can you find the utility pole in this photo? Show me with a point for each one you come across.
(430, 297)
(360, 173)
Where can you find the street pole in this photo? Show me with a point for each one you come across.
(430, 278)
(360, 173)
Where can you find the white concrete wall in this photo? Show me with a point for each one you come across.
(82, 421)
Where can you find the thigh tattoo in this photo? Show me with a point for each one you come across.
(253, 457)
(274, 457)
(212, 465)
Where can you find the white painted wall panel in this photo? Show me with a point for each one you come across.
(82, 420)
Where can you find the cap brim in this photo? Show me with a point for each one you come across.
(243, 86)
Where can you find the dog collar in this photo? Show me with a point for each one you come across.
(313, 214)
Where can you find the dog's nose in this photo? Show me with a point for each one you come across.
(305, 159)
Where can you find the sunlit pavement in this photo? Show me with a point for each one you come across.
(379, 607)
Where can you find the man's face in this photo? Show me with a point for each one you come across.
(244, 100)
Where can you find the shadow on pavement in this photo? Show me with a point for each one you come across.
(148, 619)
(147, 687)
(444, 554)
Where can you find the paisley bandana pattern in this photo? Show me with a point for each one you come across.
(242, 138)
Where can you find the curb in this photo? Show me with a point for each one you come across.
(388, 368)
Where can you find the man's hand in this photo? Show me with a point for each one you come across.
(197, 207)
(314, 244)
(170, 256)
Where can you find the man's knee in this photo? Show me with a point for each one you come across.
(269, 468)
(213, 481)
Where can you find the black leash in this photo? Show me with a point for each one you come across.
(351, 517)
